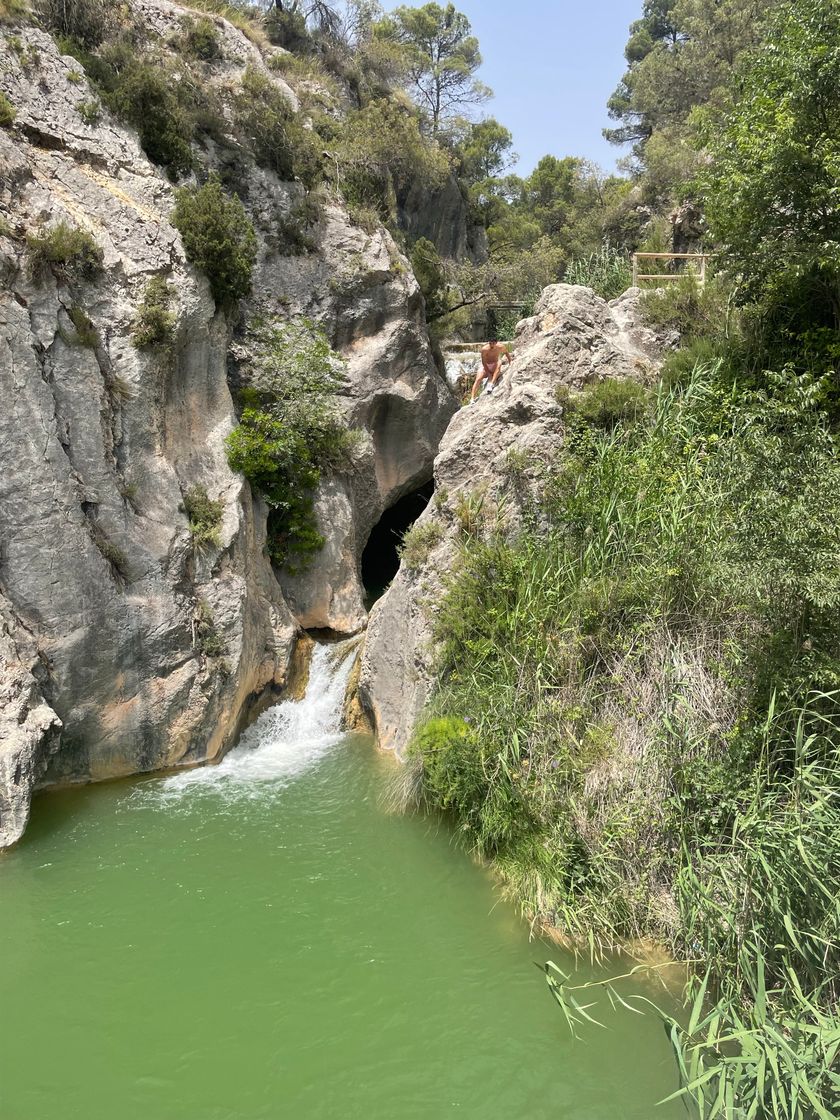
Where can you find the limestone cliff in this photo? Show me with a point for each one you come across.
(106, 602)
(573, 339)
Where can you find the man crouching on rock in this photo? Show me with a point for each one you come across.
(491, 366)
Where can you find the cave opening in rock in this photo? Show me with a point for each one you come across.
(380, 559)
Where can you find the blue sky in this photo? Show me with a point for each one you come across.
(552, 64)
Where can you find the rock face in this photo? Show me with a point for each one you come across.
(124, 647)
(443, 217)
(574, 339)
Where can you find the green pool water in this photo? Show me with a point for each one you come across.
(265, 939)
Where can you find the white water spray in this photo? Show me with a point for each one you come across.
(286, 740)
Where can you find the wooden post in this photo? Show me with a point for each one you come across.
(635, 270)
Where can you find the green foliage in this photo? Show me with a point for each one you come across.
(90, 111)
(154, 97)
(204, 515)
(607, 272)
(772, 181)
(608, 402)
(648, 671)
(200, 39)
(277, 138)
(431, 276)
(154, 324)
(208, 639)
(86, 333)
(112, 553)
(69, 252)
(379, 150)
(418, 542)
(442, 58)
(13, 11)
(290, 431)
(218, 238)
(86, 21)
(292, 233)
(7, 112)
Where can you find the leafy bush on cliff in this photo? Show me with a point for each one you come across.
(7, 112)
(277, 138)
(200, 39)
(154, 323)
(204, 515)
(218, 238)
(69, 252)
(290, 431)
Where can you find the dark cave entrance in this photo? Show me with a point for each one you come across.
(380, 559)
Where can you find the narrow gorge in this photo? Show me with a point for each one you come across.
(419, 560)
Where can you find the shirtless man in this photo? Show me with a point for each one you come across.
(491, 366)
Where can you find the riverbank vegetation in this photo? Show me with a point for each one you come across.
(637, 712)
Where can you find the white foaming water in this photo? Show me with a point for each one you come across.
(285, 741)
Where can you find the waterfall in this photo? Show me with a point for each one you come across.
(284, 741)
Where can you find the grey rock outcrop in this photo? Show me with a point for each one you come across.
(124, 647)
(443, 217)
(574, 339)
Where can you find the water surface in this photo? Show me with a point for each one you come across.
(263, 939)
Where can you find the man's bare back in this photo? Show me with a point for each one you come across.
(491, 365)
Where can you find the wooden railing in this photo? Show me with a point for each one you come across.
(703, 258)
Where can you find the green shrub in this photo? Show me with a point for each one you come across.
(110, 552)
(204, 515)
(648, 670)
(69, 252)
(86, 333)
(200, 39)
(607, 272)
(418, 542)
(210, 642)
(154, 324)
(90, 111)
(155, 97)
(13, 11)
(86, 21)
(607, 402)
(288, 29)
(290, 431)
(277, 138)
(218, 238)
(7, 112)
(292, 234)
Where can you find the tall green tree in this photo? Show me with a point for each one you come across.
(773, 187)
(442, 57)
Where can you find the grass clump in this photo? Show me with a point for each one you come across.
(609, 402)
(90, 111)
(86, 333)
(14, 11)
(200, 39)
(607, 272)
(154, 323)
(69, 252)
(218, 238)
(291, 431)
(204, 515)
(418, 542)
(208, 639)
(112, 553)
(7, 112)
